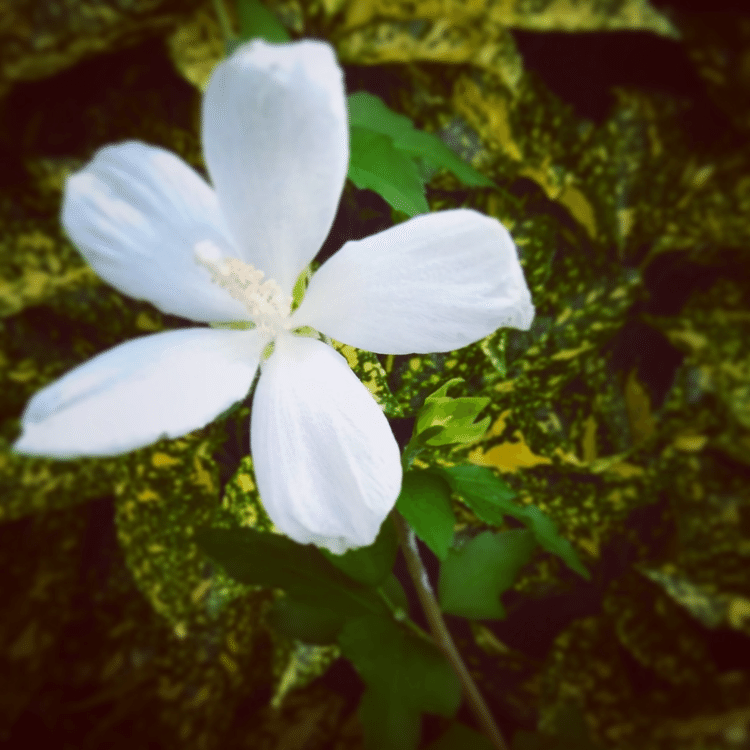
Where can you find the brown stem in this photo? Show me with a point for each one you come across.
(440, 633)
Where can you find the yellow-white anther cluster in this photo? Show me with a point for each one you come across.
(266, 302)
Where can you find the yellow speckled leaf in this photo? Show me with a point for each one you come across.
(544, 15)
(167, 491)
(197, 47)
(487, 44)
(508, 456)
(371, 372)
(31, 485)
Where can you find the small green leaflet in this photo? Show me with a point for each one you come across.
(455, 417)
(443, 420)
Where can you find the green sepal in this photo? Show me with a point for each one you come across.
(234, 325)
(300, 286)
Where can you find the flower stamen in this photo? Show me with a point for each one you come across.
(265, 301)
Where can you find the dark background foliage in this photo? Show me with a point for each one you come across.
(620, 155)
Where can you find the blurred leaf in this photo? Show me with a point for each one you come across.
(473, 577)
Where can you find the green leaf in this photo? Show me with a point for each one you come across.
(549, 538)
(491, 499)
(376, 164)
(425, 503)
(483, 491)
(369, 112)
(405, 675)
(257, 22)
(369, 565)
(388, 722)
(274, 561)
(473, 577)
(455, 417)
(304, 622)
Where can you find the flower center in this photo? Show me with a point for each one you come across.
(266, 303)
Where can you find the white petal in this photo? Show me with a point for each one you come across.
(136, 213)
(276, 143)
(163, 385)
(327, 464)
(435, 283)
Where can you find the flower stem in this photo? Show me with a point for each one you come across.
(441, 634)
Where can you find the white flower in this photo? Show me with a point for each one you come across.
(275, 137)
